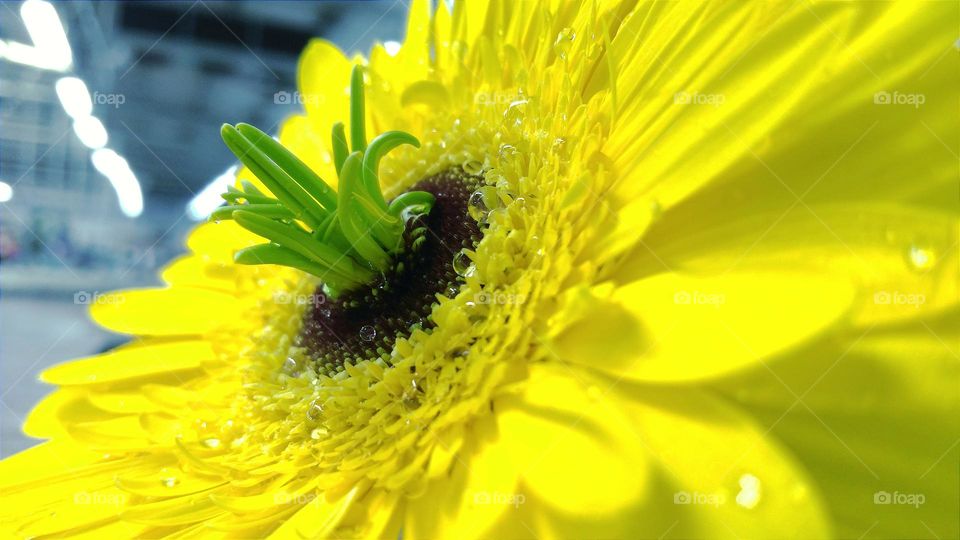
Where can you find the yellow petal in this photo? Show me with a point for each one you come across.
(201, 271)
(318, 518)
(876, 425)
(902, 260)
(690, 76)
(675, 327)
(572, 445)
(727, 478)
(218, 241)
(142, 359)
(165, 312)
(480, 488)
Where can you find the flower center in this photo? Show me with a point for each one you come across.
(365, 323)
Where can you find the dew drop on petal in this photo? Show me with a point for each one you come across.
(656, 210)
(411, 396)
(482, 202)
(564, 42)
(452, 291)
(472, 167)
(507, 151)
(368, 333)
(920, 258)
(315, 410)
(515, 112)
(462, 264)
(291, 366)
(211, 442)
(749, 495)
(169, 481)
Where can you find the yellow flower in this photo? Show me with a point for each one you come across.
(715, 296)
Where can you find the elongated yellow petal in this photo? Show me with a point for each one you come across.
(572, 446)
(675, 327)
(165, 312)
(150, 357)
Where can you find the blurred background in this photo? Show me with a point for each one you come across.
(110, 149)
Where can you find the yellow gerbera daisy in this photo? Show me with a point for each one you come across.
(658, 269)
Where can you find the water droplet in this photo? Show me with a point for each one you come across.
(558, 144)
(749, 495)
(473, 167)
(411, 396)
(169, 481)
(452, 291)
(921, 258)
(515, 112)
(507, 151)
(368, 333)
(291, 366)
(482, 202)
(564, 42)
(315, 410)
(317, 433)
(462, 264)
(655, 209)
(211, 442)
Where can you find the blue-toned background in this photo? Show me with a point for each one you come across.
(109, 136)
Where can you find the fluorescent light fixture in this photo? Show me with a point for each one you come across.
(6, 191)
(50, 49)
(121, 177)
(392, 47)
(90, 131)
(74, 97)
(208, 200)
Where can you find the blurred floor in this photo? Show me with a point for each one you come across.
(37, 333)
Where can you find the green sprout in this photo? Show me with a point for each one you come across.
(346, 237)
